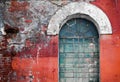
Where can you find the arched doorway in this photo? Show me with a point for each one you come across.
(78, 51)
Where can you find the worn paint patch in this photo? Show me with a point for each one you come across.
(26, 69)
(31, 18)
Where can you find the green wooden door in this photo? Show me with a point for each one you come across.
(78, 52)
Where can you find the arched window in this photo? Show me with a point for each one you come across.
(78, 51)
(83, 10)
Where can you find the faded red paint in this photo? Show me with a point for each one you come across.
(3, 44)
(18, 6)
(44, 69)
(28, 21)
(110, 58)
(110, 44)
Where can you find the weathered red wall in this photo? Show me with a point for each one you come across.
(110, 44)
(44, 68)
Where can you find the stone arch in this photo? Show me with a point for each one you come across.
(82, 10)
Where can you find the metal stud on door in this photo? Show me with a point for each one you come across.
(78, 51)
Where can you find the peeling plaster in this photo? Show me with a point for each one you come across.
(30, 20)
(1, 20)
(30, 17)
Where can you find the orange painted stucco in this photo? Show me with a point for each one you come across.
(109, 58)
(43, 69)
(110, 44)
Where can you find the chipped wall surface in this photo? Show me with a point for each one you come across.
(28, 54)
(31, 18)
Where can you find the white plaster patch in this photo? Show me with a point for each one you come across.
(64, 2)
(91, 12)
(30, 22)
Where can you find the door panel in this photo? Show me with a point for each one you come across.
(78, 52)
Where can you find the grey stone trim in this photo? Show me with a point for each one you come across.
(82, 10)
